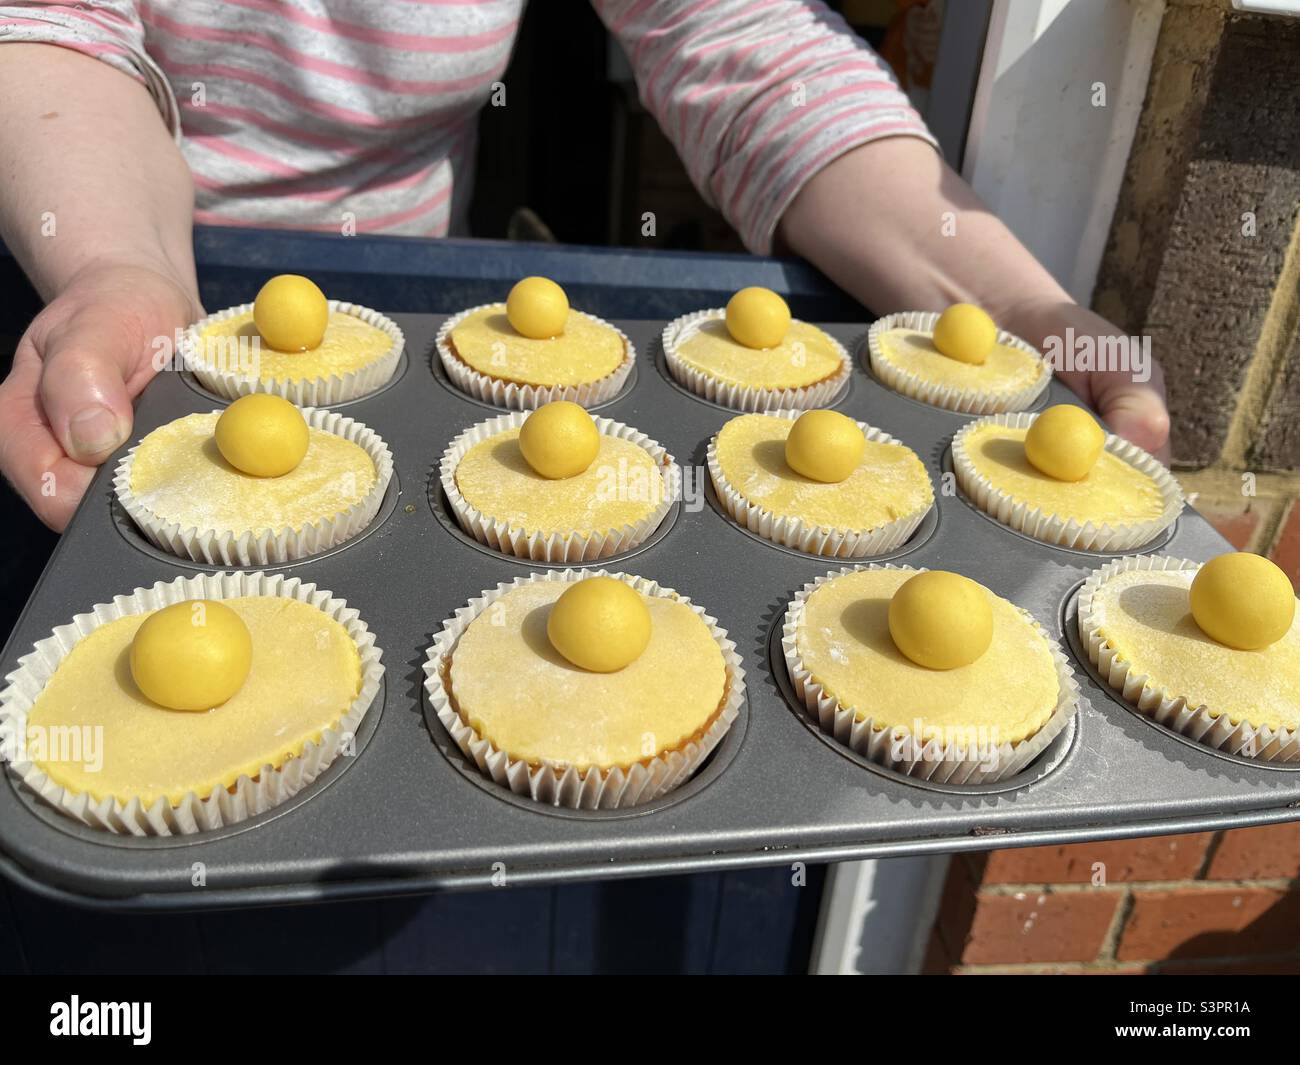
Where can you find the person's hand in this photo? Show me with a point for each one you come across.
(66, 404)
(1130, 397)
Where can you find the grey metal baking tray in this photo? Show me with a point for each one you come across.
(405, 815)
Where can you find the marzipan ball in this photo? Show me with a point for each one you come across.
(757, 317)
(1242, 600)
(291, 313)
(941, 620)
(600, 624)
(1064, 442)
(537, 307)
(824, 445)
(262, 435)
(559, 439)
(966, 333)
(192, 655)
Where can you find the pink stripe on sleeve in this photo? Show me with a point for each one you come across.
(716, 84)
(777, 84)
(104, 17)
(650, 90)
(771, 78)
(799, 116)
(662, 28)
(766, 224)
(792, 152)
(96, 49)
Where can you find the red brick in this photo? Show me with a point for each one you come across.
(1038, 926)
(1238, 520)
(1270, 851)
(1124, 861)
(1286, 548)
(1197, 922)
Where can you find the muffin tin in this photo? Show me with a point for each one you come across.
(406, 815)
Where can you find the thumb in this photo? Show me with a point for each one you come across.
(85, 366)
(1136, 412)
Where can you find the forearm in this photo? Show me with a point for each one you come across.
(895, 227)
(91, 174)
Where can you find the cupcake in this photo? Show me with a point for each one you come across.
(585, 690)
(959, 360)
(752, 356)
(293, 342)
(193, 704)
(1211, 651)
(1060, 478)
(819, 482)
(556, 485)
(260, 483)
(926, 672)
(534, 349)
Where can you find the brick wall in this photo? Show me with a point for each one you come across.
(1225, 902)
(1204, 249)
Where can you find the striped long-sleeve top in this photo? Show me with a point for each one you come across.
(319, 114)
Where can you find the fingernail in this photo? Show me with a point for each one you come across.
(95, 430)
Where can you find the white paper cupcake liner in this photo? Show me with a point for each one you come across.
(1035, 522)
(265, 547)
(538, 546)
(1169, 709)
(515, 396)
(557, 784)
(939, 763)
(305, 392)
(225, 806)
(964, 400)
(815, 539)
(744, 397)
